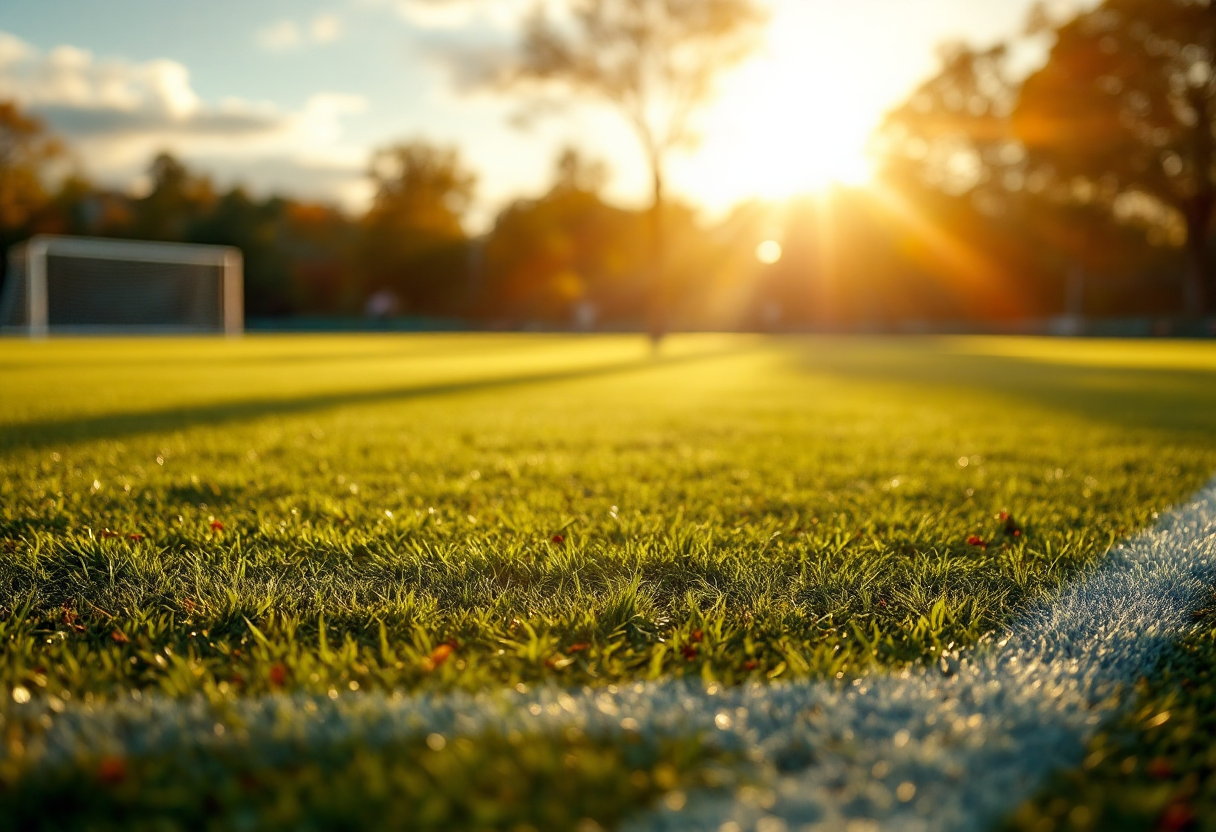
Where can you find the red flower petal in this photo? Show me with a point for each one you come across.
(975, 540)
(278, 675)
(217, 526)
(558, 539)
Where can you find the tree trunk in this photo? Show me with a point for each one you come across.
(1199, 266)
(656, 312)
(1198, 210)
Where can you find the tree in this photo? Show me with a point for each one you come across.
(953, 134)
(1126, 105)
(178, 199)
(567, 249)
(412, 238)
(655, 62)
(26, 150)
(236, 219)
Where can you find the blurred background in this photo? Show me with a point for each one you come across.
(602, 165)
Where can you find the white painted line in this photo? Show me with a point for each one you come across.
(928, 752)
(915, 751)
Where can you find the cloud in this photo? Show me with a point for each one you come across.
(116, 113)
(325, 28)
(287, 34)
(502, 15)
(282, 34)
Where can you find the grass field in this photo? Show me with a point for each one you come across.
(335, 518)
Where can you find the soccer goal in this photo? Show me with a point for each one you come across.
(81, 284)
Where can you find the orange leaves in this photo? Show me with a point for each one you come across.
(72, 619)
(439, 655)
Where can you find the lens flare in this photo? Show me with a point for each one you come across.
(768, 252)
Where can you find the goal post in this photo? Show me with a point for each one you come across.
(59, 284)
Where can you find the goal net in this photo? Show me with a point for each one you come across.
(80, 284)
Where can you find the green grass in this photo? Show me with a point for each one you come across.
(1154, 768)
(564, 510)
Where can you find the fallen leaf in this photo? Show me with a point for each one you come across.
(1160, 767)
(278, 675)
(438, 656)
(1176, 817)
(112, 770)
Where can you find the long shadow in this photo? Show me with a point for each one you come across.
(406, 350)
(117, 425)
(1180, 401)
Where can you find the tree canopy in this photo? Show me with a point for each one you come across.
(1125, 108)
(26, 149)
(655, 62)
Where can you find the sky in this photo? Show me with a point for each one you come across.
(293, 95)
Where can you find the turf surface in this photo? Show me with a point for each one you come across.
(339, 515)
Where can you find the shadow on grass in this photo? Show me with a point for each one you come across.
(467, 344)
(1177, 401)
(117, 425)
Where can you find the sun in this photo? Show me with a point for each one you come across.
(784, 131)
(789, 122)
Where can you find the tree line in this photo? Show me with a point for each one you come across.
(1086, 187)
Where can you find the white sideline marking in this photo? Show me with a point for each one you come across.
(966, 748)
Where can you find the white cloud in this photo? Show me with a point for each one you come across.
(325, 28)
(461, 14)
(287, 34)
(282, 34)
(116, 113)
